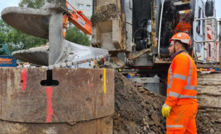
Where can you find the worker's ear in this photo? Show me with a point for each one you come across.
(177, 45)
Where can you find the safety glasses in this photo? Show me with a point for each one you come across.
(171, 45)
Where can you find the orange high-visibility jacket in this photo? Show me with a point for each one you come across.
(182, 81)
(182, 27)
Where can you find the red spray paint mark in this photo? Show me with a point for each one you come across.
(49, 103)
(91, 85)
(24, 78)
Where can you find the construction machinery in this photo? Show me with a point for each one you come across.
(4, 50)
(48, 25)
(6, 60)
(136, 34)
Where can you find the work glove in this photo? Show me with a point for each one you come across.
(166, 110)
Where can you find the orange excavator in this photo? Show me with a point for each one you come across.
(77, 18)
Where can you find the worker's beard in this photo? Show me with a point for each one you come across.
(172, 51)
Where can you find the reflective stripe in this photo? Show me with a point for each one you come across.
(187, 96)
(178, 76)
(176, 95)
(190, 70)
(190, 87)
(175, 126)
(186, 41)
(169, 86)
(171, 77)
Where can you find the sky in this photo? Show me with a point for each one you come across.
(7, 3)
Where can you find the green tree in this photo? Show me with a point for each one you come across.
(32, 3)
(75, 35)
(22, 40)
(3, 31)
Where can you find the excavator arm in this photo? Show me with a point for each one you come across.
(77, 18)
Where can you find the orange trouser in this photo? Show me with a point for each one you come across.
(182, 119)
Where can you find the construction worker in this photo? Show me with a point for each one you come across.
(184, 25)
(181, 105)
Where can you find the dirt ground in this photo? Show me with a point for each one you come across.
(138, 111)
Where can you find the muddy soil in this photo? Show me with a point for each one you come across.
(104, 13)
(138, 111)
